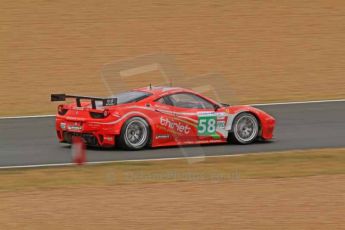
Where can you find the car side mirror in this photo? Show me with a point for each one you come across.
(216, 107)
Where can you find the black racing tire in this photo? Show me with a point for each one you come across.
(135, 134)
(245, 129)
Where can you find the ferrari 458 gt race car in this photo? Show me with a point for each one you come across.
(158, 116)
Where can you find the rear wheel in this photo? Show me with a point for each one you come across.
(245, 129)
(135, 134)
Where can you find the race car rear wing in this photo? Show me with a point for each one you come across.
(105, 101)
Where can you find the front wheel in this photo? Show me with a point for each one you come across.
(245, 129)
(135, 134)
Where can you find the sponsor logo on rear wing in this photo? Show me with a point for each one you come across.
(105, 101)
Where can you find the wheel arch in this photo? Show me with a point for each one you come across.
(258, 119)
(143, 116)
(250, 112)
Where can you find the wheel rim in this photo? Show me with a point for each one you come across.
(136, 133)
(246, 128)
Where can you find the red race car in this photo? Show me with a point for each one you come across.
(158, 116)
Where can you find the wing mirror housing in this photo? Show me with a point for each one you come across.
(216, 107)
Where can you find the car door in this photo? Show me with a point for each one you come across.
(195, 116)
(163, 122)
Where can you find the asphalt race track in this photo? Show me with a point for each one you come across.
(32, 141)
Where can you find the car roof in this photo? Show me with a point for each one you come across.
(160, 90)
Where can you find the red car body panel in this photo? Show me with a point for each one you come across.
(169, 125)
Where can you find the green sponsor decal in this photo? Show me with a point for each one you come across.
(215, 136)
(207, 125)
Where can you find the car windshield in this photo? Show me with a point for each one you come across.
(131, 96)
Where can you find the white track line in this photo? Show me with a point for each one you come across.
(263, 104)
(137, 160)
(299, 102)
(23, 117)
